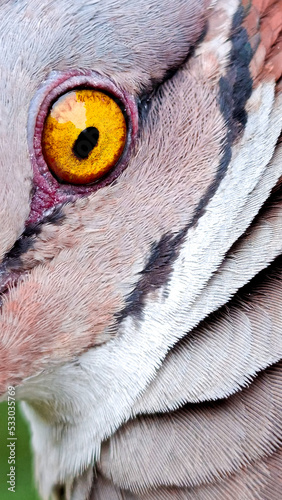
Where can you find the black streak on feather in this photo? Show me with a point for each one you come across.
(155, 274)
(234, 91)
(13, 258)
(236, 86)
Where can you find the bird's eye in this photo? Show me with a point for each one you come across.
(84, 136)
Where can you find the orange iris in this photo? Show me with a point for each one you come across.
(83, 136)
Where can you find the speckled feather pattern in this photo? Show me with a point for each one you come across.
(144, 332)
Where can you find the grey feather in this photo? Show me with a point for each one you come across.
(206, 442)
(225, 353)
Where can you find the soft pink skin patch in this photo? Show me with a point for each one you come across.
(48, 192)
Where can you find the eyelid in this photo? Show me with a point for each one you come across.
(46, 187)
(58, 82)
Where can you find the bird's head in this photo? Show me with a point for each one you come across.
(102, 248)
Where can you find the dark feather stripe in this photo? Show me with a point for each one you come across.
(155, 274)
(25, 242)
(234, 91)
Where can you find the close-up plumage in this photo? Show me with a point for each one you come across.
(141, 249)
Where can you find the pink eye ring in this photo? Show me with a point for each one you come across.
(48, 189)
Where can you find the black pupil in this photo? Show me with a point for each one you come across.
(86, 142)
